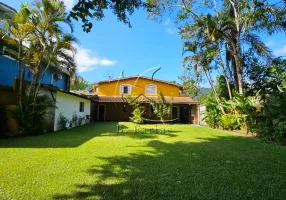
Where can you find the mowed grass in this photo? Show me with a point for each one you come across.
(95, 162)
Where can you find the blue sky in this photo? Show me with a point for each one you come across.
(112, 46)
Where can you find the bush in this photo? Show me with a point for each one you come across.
(80, 120)
(34, 114)
(229, 121)
(62, 121)
(137, 115)
(75, 119)
(138, 110)
(272, 121)
(213, 112)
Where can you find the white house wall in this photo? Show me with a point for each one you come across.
(68, 104)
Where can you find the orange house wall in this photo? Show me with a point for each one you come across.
(113, 88)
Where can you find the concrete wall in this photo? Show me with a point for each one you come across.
(68, 104)
(202, 115)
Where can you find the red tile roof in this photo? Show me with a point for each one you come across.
(122, 99)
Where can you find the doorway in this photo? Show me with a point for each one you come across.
(184, 114)
(101, 112)
(174, 112)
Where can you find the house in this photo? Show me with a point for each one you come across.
(55, 84)
(112, 104)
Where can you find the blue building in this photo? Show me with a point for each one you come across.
(53, 76)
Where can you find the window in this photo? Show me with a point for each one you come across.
(124, 108)
(81, 106)
(151, 89)
(125, 89)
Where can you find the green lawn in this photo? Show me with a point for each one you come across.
(95, 162)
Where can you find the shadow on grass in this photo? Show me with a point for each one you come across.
(72, 137)
(218, 168)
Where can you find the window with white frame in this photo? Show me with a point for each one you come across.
(151, 89)
(125, 89)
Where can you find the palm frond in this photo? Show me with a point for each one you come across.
(258, 46)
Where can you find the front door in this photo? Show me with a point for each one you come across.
(184, 114)
(174, 112)
(101, 112)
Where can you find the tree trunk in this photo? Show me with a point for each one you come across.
(238, 67)
(20, 85)
(214, 90)
(225, 74)
(40, 81)
(236, 46)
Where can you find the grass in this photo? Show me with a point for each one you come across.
(95, 162)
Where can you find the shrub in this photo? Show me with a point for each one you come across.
(80, 120)
(137, 115)
(62, 121)
(162, 107)
(272, 121)
(35, 115)
(229, 121)
(75, 119)
(138, 111)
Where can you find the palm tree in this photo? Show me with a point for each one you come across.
(47, 19)
(17, 30)
(59, 54)
(220, 29)
(50, 44)
(202, 55)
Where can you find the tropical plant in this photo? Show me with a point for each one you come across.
(138, 110)
(213, 111)
(62, 122)
(162, 107)
(79, 84)
(202, 55)
(229, 121)
(80, 120)
(231, 26)
(15, 32)
(47, 44)
(50, 45)
(272, 120)
(74, 119)
(137, 114)
(190, 86)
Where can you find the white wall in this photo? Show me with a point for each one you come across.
(68, 104)
(202, 115)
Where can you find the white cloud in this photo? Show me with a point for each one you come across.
(169, 28)
(171, 31)
(69, 4)
(270, 43)
(86, 60)
(167, 22)
(280, 52)
(107, 62)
